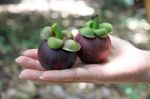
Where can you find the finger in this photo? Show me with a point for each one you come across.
(32, 53)
(74, 74)
(29, 63)
(35, 74)
(30, 74)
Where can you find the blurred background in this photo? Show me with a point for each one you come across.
(22, 20)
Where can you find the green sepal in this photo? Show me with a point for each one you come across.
(107, 26)
(87, 32)
(89, 24)
(55, 43)
(46, 32)
(101, 32)
(57, 31)
(71, 45)
(67, 35)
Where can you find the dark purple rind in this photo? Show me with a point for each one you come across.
(93, 50)
(55, 59)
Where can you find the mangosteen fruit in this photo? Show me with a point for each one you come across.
(58, 49)
(94, 41)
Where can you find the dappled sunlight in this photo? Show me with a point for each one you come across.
(71, 7)
(65, 7)
(140, 38)
(34, 5)
(139, 27)
(135, 24)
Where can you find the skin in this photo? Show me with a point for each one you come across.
(126, 64)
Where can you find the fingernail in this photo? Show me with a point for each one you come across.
(20, 76)
(18, 60)
(41, 77)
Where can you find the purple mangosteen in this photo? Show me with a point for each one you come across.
(58, 49)
(94, 40)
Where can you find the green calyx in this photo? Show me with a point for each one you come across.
(46, 32)
(57, 31)
(55, 43)
(93, 28)
(101, 32)
(107, 26)
(89, 24)
(71, 45)
(67, 35)
(58, 39)
(54, 31)
(87, 32)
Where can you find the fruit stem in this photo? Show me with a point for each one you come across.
(95, 22)
(57, 31)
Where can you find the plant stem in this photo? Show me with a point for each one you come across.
(95, 22)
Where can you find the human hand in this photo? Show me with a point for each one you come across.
(125, 64)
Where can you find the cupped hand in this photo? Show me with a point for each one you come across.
(125, 64)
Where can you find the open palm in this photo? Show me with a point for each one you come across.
(125, 64)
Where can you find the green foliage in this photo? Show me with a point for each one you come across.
(19, 32)
(119, 4)
(133, 91)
